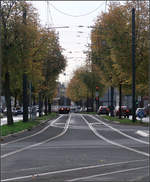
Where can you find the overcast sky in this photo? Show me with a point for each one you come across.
(72, 39)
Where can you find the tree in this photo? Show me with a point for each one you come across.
(53, 64)
(6, 8)
(87, 80)
(18, 40)
(111, 40)
(28, 48)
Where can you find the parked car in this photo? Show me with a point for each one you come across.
(64, 109)
(89, 109)
(54, 108)
(15, 111)
(124, 111)
(1, 112)
(73, 109)
(140, 112)
(147, 110)
(78, 109)
(103, 110)
(18, 110)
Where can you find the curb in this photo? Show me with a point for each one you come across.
(117, 122)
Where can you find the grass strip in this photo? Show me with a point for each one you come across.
(88, 112)
(20, 126)
(124, 121)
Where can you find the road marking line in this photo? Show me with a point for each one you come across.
(142, 133)
(41, 131)
(120, 132)
(70, 170)
(104, 174)
(40, 143)
(113, 143)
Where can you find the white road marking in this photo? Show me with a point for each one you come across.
(70, 170)
(120, 132)
(104, 174)
(57, 125)
(41, 131)
(37, 144)
(113, 143)
(142, 133)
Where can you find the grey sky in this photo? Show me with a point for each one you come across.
(71, 39)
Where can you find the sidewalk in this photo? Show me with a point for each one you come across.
(3, 120)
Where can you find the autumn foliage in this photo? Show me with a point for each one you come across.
(28, 48)
(112, 45)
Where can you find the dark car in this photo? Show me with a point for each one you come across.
(64, 110)
(124, 111)
(17, 110)
(1, 112)
(103, 110)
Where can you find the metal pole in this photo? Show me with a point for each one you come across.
(120, 100)
(108, 97)
(149, 63)
(25, 95)
(30, 101)
(0, 53)
(112, 101)
(0, 62)
(133, 65)
(92, 69)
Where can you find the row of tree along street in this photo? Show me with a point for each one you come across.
(109, 59)
(31, 57)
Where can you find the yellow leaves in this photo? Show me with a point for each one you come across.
(114, 58)
(76, 89)
(84, 83)
(28, 47)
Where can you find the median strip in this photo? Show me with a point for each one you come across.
(23, 126)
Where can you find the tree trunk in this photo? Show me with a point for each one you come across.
(34, 100)
(49, 106)
(25, 99)
(112, 102)
(15, 100)
(87, 102)
(120, 100)
(40, 104)
(8, 99)
(45, 103)
(92, 101)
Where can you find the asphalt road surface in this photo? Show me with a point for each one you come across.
(77, 147)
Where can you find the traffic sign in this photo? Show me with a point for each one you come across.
(140, 114)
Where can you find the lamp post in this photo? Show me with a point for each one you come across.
(133, 65)
(0, 51)
(25, 101)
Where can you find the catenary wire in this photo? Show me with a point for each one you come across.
(67, 14)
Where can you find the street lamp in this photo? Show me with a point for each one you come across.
(0, 51)
(133, 65)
